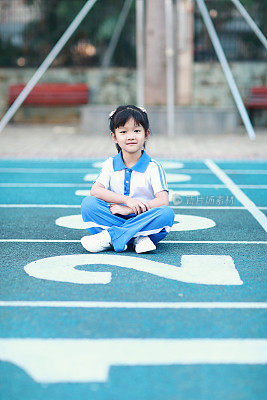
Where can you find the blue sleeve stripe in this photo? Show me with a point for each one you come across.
(162, 175)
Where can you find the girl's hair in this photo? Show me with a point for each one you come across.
(122, 114)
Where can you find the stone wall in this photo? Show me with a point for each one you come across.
(210, 86)
(118, 85)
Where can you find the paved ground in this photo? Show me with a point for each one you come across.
(186, 321)
(47, 141)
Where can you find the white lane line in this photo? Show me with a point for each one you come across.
(89, 360)
(78, 206)
(44, 185)
(241, 197)
(252, 186)
(135, 304)
(213, 186)
(86, 170)
(86, 185)
(162, 242)
(40, 206)
(246, 171)
(215, 241)
(46, 170)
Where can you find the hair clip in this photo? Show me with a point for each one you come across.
(143, 109)
(112, 112)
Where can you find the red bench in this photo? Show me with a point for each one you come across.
(52, 94)
(257, 100)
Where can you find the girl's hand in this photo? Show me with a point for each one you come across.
(137, 206)
(120, 209)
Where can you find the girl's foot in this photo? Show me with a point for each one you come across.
(98, 242)
(142, 244)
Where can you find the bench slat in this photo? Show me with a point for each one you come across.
(52, 94)
(257, 98)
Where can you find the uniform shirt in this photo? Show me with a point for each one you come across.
(142, 181)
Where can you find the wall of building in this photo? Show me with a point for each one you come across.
(118, 85)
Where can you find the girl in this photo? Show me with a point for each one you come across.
(135, 187)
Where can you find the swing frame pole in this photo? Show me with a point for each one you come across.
(250, 22)
(116, 34)
(226, 69)
(170, 79)
(46, 63)
(140, 52)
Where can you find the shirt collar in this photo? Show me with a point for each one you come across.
(140, 166)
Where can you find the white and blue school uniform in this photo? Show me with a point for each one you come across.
(142, 181)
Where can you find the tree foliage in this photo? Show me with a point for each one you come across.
(96, 29)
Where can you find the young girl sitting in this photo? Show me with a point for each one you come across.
(129, 200)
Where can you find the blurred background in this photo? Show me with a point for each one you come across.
(203, 102)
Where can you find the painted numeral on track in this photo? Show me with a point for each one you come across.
(89, 360)
(181, 222)
(198, 269)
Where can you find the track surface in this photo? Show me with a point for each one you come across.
(187, 321)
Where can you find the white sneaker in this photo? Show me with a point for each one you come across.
(142, 244)
(98, 242)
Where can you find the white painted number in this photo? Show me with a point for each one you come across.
(181, 222)
(199, 269)
(89, 360)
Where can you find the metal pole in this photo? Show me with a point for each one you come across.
(116, 34)
(182, 19)
(170, 83)
(46, 63)
(250, 21)
(225, 66)
(140, 52)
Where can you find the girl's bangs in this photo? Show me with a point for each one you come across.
(122, 117)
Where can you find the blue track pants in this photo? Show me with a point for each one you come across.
(155, 223)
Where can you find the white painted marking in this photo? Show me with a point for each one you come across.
(97, 164)
(173, 194)
(250, 206)
(59, 185)
(172, 184)
(246, 171)
(165, 164)
(177, 178)
(215, 241)
(78, 206)
(89, 360)
(172, 164)
(199, 269)
(130, 304)
(185, 222)
(39, 206)
(191, 223)
(162, 242)
(84, 193)
(227, 171)
(210, 207)
(75, 222)
(45, 170)
(170, 177)
(90, 177)
(217, 186)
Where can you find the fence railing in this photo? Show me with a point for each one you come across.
(238, 40)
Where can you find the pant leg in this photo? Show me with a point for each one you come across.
(97, 215)
(155, 223)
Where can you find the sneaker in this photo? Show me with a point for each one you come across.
(98, 242)
(142, 244)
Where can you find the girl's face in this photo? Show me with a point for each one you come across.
(130, 137)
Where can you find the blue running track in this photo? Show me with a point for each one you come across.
(184, 322)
